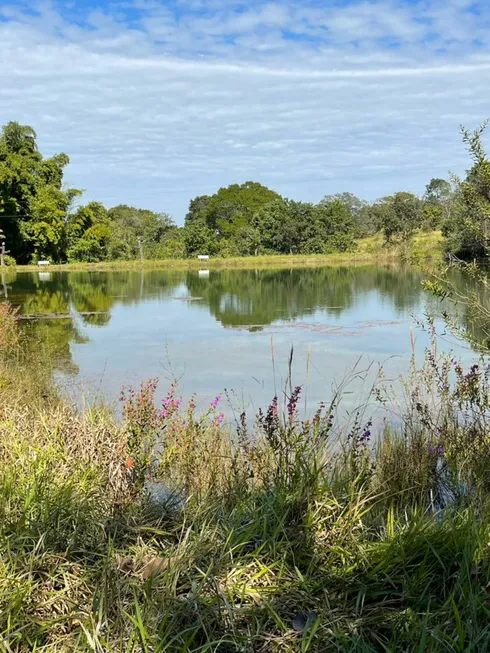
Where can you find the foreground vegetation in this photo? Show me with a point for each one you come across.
(173, 531)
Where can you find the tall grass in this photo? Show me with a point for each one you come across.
(174, 531)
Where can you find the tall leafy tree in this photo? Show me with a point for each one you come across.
(399, 215)
(197, 209)
(33, 202)
(359, 210)
(89, 233)
(438, 202)
(290, 227)
(228, 213)
(437, 191)
(200, 239)
(139, 228)
(468, 228)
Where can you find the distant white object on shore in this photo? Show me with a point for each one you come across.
(43, 262)
(203, 257)
(203, 273)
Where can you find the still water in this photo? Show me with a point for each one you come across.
(228, 329)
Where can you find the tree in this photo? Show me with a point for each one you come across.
(237, 200)
(467, 230)
(438, 201)
(337, 224)
(88, 233)
(437, 191)
(200, 239)
(33, 203)
(197, 209)
(133, 226)
(358, 209)
(290, 227)
(93, 245)
(228, 215)
(398, 215)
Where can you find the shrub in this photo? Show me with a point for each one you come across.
(9, 260)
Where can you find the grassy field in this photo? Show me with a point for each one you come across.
(172, 531)
(423, 246)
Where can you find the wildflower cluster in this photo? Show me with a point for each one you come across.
(170, 404)
(142, 423)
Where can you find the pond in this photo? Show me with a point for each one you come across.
(228, 329)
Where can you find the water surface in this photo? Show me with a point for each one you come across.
(227, 329)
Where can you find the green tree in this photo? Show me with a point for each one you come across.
(336, 225)
(33, 203)
(235, 202)
(134, 228)
(438, 201)
(467, 229)
(93, 246)
(359, 211)
(228, 214)
(437, 191)
(290, 227)
(173, 245)
(199, 238)
(197, 209)
(89, 233)
(399, 215)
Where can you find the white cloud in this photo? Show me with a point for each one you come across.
(156, 106)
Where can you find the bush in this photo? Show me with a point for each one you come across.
(9, 260)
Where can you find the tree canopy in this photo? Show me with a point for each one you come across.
(467, 226)
(43, 218)
(33, 202)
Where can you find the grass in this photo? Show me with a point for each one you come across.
(373, 249)
(264, 536)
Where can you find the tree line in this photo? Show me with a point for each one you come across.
(42, 218)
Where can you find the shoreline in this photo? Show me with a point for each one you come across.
(423, 247)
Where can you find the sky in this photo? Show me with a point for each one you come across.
(157, 102)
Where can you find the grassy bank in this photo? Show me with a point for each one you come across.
(172, 531)
(423, 246)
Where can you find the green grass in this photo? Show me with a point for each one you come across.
(273, 537)
(373, 249)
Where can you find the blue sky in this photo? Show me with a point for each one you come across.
(156, 102)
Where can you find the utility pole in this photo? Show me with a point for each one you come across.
(140, 246)
(2, 249)
(4, 285)
(2, 263)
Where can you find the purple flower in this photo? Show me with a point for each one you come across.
(215, 402)
(293, 401)
(436, 451)
(273, 407)
(366, 434)
(220, 418)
